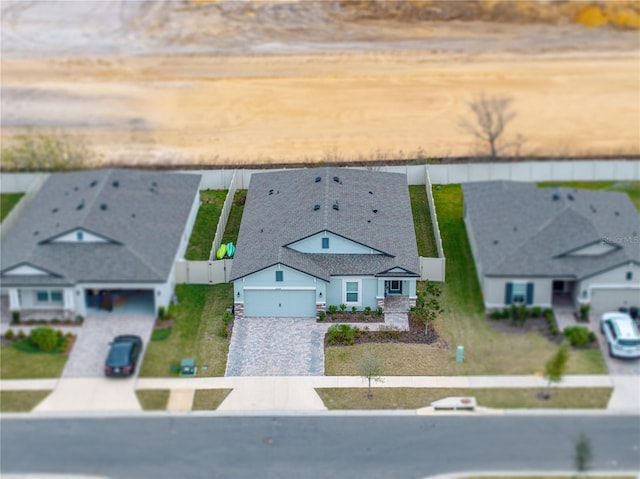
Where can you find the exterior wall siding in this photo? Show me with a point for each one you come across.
(337, 245)
(615, 279)
(493, 291)
(368, 291)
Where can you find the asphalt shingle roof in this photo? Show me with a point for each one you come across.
(520, 229)
(286, 206)
(143, 213)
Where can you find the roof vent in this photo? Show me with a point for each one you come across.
(154, 184)
(80, 206)
(103, 207)
(371, 192)
(336, 179)
(75, 188)
(335, 206)
(617, 213)
(316, 207)
(270, 192)
(36, 233)
(593, 209)
(55, 210)
(133, 215)
(318, 179)
(515, 228)
(93, 183)
(496, 241)
(115, 184)
(570, 197)
(555, 197)
(368, 221)
(375, 210)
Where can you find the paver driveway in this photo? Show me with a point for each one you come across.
(276, 347)
(92, 345)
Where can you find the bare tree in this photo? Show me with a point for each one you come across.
(370, 368)
(492, 115)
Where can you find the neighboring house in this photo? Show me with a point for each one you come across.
(553, 246)
(312, 238)
(99, 241)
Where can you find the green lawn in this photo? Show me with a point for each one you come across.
(209, 399)
(632, 188)
(16, 364)
(7, 202)
(153, 399)
(500, 398)
(196, 332)
(204, 229)
(21, 401)
(235, 216)
(487, 351)
(422, 222)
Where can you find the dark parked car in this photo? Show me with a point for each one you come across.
(123, 356)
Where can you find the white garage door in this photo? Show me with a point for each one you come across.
(603, 299)
(280, 303)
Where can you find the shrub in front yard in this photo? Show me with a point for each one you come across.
(45, 339)
(551, 322)
(322, 316)
(343, 307)
(495, 314)
(9, 335)
(367, 310)
(379, 311)
(518, 313)
(584, 312)
(536, 311)
(579, 336)
(342, 333)
(333, 309)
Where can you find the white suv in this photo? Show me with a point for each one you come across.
(622, 335)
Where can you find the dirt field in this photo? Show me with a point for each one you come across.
(399, 94)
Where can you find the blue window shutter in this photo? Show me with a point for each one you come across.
(508, 292)
(529, 293)
(279, 275)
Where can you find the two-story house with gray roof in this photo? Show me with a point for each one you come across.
(312, 238)
(99, 242)
(549, 246)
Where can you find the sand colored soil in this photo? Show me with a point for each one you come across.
(322, 107)
(271, 82)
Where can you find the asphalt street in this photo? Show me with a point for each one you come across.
(331, 446)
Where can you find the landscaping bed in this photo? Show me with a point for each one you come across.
(351, 317)
(361, 335)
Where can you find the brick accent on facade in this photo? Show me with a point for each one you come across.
(412, 301)
(380, 303)
(321, 307)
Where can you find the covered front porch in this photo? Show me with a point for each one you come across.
(396, 294)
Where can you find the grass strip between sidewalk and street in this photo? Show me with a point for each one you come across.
(499, 398)
(153, 399)
(21, 401)
(209, 399)
(196, 333)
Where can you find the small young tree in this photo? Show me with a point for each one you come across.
(491, 116)
(556, 367)
(371, 369)
(584, 454)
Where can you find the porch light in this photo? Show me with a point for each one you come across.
(238, 295)
(320, 295)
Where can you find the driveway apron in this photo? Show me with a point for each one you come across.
(276, 347)
(92, 345)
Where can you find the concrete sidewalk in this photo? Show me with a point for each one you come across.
(284, 393)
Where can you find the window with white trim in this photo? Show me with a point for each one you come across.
(56, 296)
(42, 296)
(352, 292)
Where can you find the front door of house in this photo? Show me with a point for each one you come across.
(395, 287)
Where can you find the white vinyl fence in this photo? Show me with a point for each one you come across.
(217, 271)
(203, 272)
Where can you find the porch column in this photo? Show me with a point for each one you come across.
(69, 300)
(14, 300)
